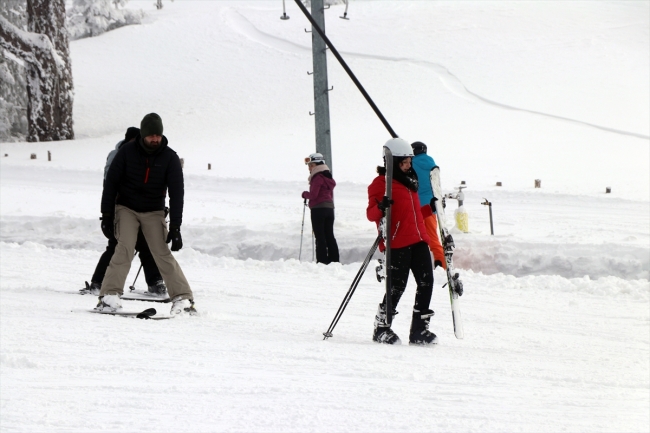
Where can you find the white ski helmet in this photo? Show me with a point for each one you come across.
(399, 147)
(314, 158)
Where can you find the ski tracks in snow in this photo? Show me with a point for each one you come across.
(243, 26)
(255, 360)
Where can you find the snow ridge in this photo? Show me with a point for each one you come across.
(242, 25)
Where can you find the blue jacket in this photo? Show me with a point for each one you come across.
(423, 164)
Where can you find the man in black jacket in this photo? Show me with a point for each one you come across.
(134, 197)
(152, 276)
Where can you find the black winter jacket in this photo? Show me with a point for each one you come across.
(140, 181)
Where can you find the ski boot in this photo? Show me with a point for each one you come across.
(109, 303)
(383, 334)
(183, 306)
(420, 334)
(91, 289)
(158, 289)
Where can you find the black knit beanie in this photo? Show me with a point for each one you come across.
(419, 147)
(151, 125)
(131, 133)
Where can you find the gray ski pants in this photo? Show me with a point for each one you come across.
(155, 232)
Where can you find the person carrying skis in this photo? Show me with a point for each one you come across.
(154, 280)
(321, 206)
(134, 197)
(423, 164)
(409, 245)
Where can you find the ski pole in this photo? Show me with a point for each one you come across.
(346, 67)
(353, 287)
(132, 287)
(284, 12)
(304, 207)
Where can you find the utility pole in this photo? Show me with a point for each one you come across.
(321, 89)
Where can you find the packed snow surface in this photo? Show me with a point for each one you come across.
(556, 306)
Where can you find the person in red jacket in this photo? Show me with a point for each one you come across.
(409, 245)
(321, 206)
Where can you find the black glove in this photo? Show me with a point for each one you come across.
(384, 204)
(432, 203)
(175, 238)
(108, 225)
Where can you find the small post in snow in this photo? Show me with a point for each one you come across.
(32, 156)
(49, 155)
(489, 205)
(209, 166)
(538, 183)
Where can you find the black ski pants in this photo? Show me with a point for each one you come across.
(417, 259)
(151, 272)
(322, 222)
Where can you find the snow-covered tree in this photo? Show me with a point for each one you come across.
(44, 48)
(13, 79)
(89, 18)
(13, 98)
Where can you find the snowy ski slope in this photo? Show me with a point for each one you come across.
(556, 306)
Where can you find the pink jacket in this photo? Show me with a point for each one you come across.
(321, 187)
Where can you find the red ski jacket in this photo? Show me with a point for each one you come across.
(407, 224)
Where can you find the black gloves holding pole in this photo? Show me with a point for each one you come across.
(433, 203)
(384, 204)
(108, 228)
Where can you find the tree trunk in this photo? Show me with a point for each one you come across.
(45, 49)
(50, 91)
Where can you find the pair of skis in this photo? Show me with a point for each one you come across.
(453, 281)
(149, 313)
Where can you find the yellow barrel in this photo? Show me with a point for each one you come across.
(462, 219)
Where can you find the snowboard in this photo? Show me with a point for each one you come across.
(145, 296)
(149, 313)
(453, 278)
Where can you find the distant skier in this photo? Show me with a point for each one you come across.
(154, 280)
(423, 164)
(321, 205)
(134, 197)
(409, 245)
